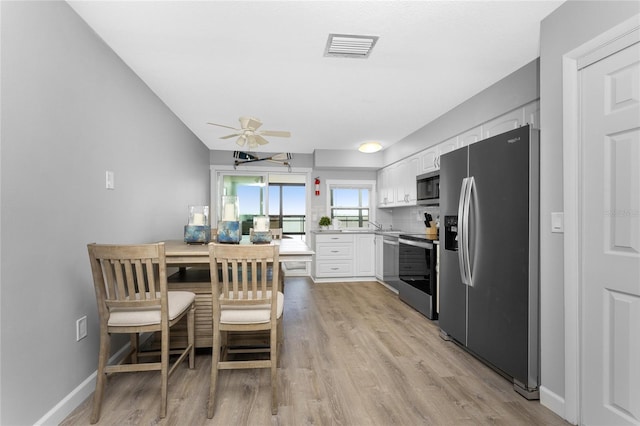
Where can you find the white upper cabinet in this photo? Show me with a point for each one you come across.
(429, 160)
(504, 123)
(470, 136)
(386, 194)
(396, 182)
(407, 171)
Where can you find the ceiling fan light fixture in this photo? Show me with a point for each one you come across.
(370, 147)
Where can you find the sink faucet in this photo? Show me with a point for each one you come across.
(376, 225)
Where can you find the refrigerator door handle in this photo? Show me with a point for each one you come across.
(465, 231)
(461, 233)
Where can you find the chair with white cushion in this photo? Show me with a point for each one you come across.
(244, 300)
(131, 291)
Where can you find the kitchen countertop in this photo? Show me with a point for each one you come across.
(356, 231)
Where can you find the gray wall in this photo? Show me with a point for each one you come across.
(71, 110)
(571, 25)
(515, 90)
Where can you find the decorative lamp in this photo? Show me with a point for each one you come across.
(261, 233)
(198, 231)
(229, 226)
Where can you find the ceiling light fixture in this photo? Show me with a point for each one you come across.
(350, 46)
(369, 147)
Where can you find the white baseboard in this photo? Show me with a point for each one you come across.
(552, 401)
(62, 409)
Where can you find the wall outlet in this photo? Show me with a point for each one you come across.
(81, 328)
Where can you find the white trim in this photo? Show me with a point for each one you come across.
(363, 184)
(551, 400)
(214, 169)
(62, 409)
(572, 168)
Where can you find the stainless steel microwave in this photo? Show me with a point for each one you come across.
(428, 189)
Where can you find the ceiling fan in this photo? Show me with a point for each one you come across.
(248, 133)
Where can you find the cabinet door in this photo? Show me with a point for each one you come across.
(411, 171)
(379, 256)
(365, 255)
(428, 160)
(470, 136)
(509, 121)
(387, 191)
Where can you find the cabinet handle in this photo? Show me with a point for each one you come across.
(335, 251)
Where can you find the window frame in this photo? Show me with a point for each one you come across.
(352, 184)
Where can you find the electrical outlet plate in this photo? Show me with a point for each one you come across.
(81, 328)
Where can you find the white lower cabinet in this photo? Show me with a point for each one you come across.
(348, 256)
(365, 255)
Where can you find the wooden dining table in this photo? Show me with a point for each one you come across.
(179, 253)
(192, 274)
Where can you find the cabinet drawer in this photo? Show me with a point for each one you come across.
(334, 238)
(334, 250)
(334, 269)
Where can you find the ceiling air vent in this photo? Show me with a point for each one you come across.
(350, 46)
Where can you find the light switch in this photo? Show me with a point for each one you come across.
(557, 222)
(110, 183)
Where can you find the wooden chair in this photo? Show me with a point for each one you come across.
(243, 300)
(131, 290)
(276, 234)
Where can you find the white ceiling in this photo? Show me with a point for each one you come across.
(217, 60)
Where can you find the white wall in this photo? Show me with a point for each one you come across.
(71, 110)
(569, 26)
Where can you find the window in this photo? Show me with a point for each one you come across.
(350, 203)
(281, 196)
(287, 207)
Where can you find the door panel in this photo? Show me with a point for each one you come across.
(453, 294)
(610, 339)
(499, 250)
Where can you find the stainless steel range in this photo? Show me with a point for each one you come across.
(417, 273)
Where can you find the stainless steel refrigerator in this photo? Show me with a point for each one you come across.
(489, 284)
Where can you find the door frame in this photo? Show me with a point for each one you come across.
(257, 170)
(605, 44)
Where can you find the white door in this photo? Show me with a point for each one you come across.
(610, 240)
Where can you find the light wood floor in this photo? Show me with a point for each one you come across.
(353, 354)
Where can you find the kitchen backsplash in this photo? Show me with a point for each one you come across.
(411, 219)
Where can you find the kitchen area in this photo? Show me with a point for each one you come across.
(455, 237)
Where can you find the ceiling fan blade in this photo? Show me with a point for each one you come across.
(230, 136)
(278, 133)
(260, 140)
(222, 125)
(250, 123)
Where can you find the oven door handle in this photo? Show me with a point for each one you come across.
(427, 246)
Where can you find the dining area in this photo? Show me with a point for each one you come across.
(173, 297)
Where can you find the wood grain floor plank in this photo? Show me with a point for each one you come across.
(353, 354)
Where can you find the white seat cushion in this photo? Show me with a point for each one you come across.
(178, 302)
(258, 314)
